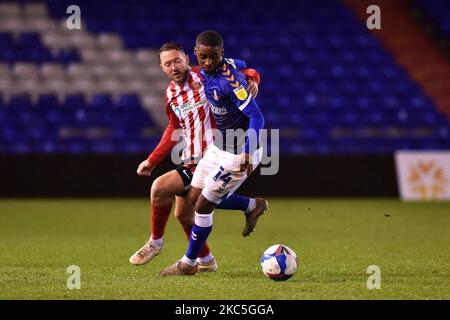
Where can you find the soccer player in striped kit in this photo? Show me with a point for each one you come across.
(189, 114)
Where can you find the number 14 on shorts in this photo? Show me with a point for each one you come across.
(224, 176)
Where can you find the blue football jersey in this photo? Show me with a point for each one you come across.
(232, 106)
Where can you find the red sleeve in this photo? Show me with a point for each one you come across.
(196, 69)
(166, 143)
(251, 74)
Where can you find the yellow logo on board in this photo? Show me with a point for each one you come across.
(427, 179)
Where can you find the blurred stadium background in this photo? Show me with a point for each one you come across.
(79, 109)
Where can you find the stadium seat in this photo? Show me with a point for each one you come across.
(101, 101)
(74, 101)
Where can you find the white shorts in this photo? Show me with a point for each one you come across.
(218, 173)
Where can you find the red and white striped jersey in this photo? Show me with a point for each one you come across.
(189, 105)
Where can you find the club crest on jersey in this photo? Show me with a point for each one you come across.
(241, 93)
(215, 96)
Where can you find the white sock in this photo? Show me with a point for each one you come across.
(251, 205)
(188, 261)
(204, 220)
(157, 242)
(205, 259)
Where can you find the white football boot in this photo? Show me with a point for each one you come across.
(210, 266)
(145, 254)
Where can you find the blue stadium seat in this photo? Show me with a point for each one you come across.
(128, 101)
(74, 146)
(102, 146)
(101, 101)
(68, 56)
(75, 101)
(20, 102)
(29, 40)
(47, 102)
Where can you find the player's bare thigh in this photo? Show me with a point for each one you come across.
(165, 187)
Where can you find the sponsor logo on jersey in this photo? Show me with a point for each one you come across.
(177, 112)
(219, 110)
(241, 93)
(187, 107)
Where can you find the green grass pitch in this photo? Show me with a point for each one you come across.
(335, 239)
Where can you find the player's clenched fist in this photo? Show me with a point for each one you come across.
(246, 163)
(252, 87)
(145, 168)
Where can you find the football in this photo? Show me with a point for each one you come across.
(279, 262)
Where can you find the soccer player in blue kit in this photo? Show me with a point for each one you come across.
(235, 151)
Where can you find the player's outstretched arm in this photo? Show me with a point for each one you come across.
(161, 151)
(256, 124)
(245, 102)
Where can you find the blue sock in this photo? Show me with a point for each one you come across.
(200, 232)
(197, 240)
(235, 202)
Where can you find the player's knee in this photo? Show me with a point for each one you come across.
(203, 206)
(158, 192)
